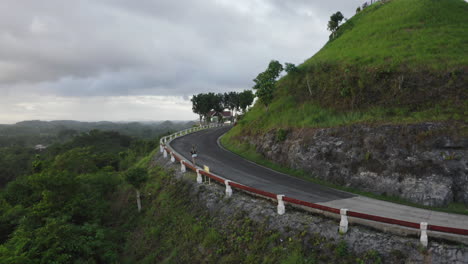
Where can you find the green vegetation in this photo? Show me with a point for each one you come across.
(15, 161)
(335, 21)
(136, 177)
(398, 61)
(265, 82)
(18, 155)
(248, 152)
(413, 33)
(285, 113)
(62, 213)
(78, 208)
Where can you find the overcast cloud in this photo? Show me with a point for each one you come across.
(124, 60)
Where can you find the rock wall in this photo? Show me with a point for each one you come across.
(424, 163)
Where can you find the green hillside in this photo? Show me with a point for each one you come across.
(397, 61)
(418, 33)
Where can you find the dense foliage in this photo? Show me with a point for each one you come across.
(62, 213)
(265, 82)
(18, 155)
(335, 21)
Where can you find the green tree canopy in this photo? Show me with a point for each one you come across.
(136, 177)
(266, 81)
(335, 21)
(245, 99)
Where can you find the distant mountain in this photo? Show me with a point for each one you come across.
(32, 132)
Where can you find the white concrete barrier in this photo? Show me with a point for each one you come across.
(182, 166)
(281, 208)
(344, 221)
(199, 177)
(424, 240)
(228, 188)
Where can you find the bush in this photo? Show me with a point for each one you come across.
(281, 135)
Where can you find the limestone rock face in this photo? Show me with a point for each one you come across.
(424, 163)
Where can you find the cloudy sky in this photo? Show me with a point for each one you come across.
(122, 60)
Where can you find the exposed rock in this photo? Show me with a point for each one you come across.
(311, 227)
(424, 163)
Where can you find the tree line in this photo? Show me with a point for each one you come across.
(205, 103)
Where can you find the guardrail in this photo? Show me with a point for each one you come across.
(344, 213)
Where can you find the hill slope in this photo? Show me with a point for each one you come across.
(398, 61)
(409, 32)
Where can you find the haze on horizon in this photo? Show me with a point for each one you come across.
(118, 60)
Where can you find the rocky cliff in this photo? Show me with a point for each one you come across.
(424, 163)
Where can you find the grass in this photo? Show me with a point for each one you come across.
(404, 61)
(284, 112)
(410, 32)
(248, 152)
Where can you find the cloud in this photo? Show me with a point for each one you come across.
(91, 108)
(118, 48)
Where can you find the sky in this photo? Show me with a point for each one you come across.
(124, 60)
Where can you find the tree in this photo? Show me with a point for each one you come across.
(231, 102)
(203, 103)
(335, 21)
(290, 68)
(358, 9)
(245, 99)
(136, 177)
(197, 107)
(217, 105)
(266, 81)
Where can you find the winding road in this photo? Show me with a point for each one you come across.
(231, 166)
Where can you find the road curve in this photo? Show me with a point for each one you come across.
(236, 168)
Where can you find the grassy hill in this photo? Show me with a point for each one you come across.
(397, 61)
(415, 33)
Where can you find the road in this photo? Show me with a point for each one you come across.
(236, 168)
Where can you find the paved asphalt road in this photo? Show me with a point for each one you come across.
(235, 168)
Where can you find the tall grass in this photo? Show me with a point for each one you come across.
(285, 112)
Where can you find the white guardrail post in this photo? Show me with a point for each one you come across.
(344, 221)
(281, 208)
(182, 166)
(199, 177)
(228, 188)
(165, 153)
(172, 157)
(424, 240)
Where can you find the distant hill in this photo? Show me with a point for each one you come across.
(34, 132)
